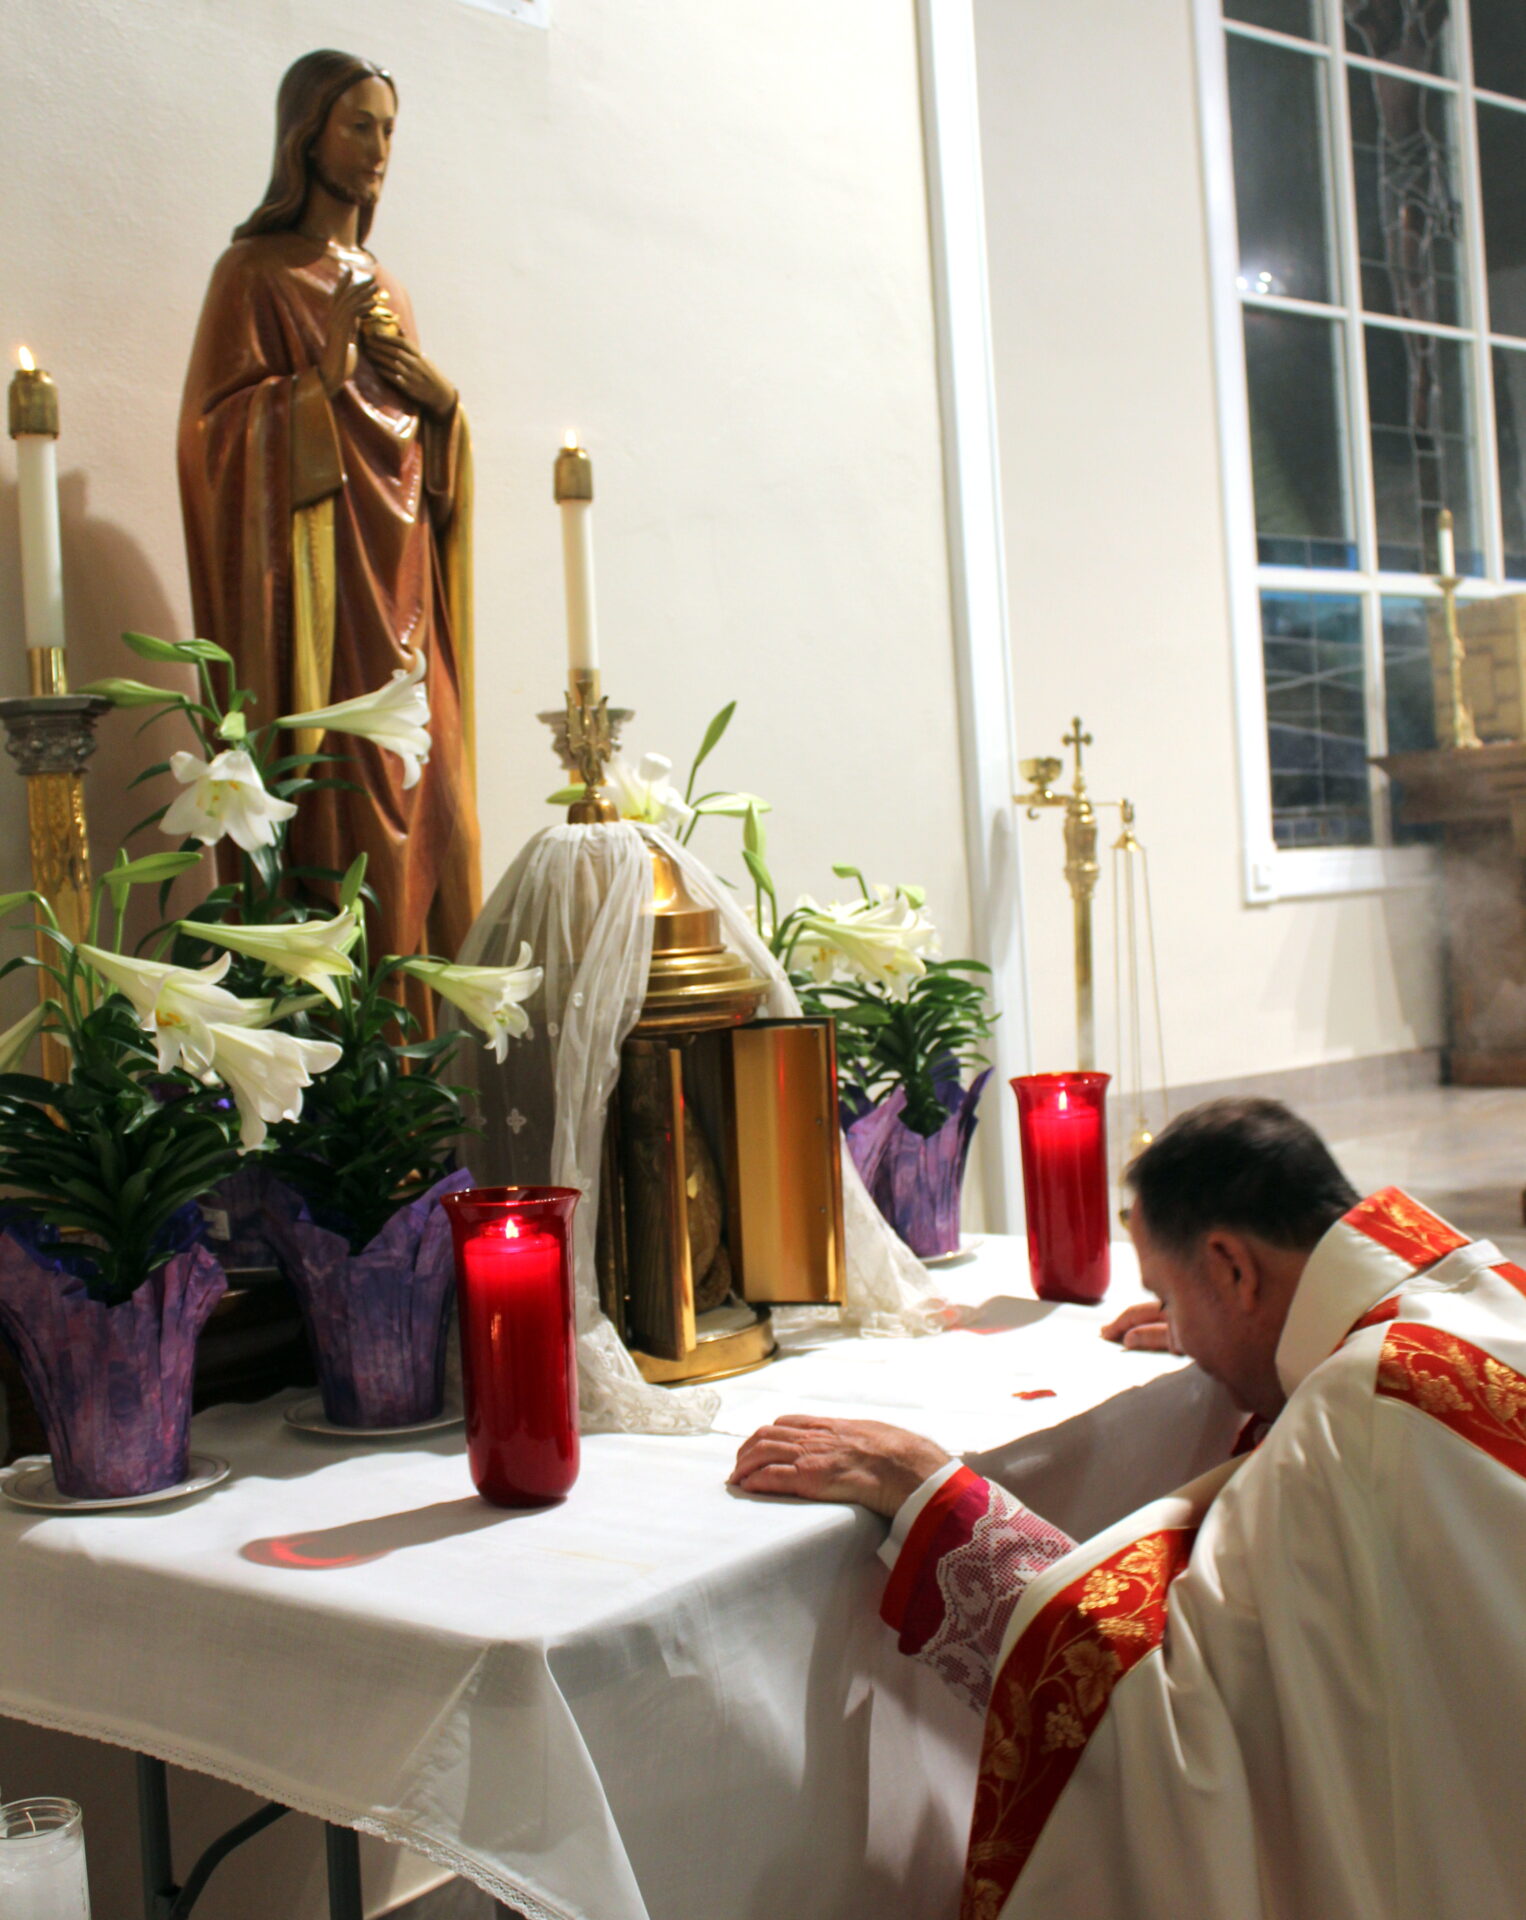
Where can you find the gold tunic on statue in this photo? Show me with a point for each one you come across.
(329, 543)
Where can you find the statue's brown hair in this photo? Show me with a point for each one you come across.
(309, 88)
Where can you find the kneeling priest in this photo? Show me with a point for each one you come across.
(1294, 1689)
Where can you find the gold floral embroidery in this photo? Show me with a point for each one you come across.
(1101, 1590)
(1439, 1396)
(1050, 1694)
(1095, 1669)
(1062, 1729)
(1404, 1227)
(1478, 1396)
(1118, 1627)
(1504, 1392)
(1145, 1560)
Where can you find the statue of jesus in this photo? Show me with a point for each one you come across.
(325, 475)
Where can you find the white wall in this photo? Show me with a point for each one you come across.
(1115, 548)
(697, 233)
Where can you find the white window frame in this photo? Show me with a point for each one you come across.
(1269, 872)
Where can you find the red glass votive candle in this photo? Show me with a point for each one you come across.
(518, 1359)
(1063, 1127)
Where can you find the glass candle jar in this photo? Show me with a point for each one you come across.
(42, 1861)
(1062, 1123)
(518, 1360)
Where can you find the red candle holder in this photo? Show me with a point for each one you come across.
(518, 1360)
(1063, 1126)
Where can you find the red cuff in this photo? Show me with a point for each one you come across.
(946, 1522)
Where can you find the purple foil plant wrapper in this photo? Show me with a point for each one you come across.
(240, 1216)
(916, 1179)
(112, 1385)
(377, 1318)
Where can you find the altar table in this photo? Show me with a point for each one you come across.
(658, 1701)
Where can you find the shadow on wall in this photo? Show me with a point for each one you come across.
(110, 583)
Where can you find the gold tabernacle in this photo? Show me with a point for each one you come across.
(722, 1189)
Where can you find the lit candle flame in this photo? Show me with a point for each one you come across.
(25, 361)
(571, 440)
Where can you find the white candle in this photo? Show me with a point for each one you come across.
(1446, 551)
(573, 491)
(34, 428)
(42, 1861)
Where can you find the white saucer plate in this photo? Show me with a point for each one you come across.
(33, 1486)
(307, 1417)
(957, 1256)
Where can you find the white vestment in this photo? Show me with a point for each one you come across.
(1296, 1690)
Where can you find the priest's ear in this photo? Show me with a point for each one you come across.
(1235, 1267)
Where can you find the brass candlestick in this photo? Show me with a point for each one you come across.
(50, 737)
(1081, 868)
(590, 745)
(1463, 731)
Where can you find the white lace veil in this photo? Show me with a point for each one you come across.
(578, 895)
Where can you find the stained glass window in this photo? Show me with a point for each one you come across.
(1316, 719)
(1379, 158)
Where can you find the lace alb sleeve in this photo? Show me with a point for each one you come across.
(965, 1564)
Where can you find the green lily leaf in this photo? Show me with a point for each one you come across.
(566, 796)
(713, 733)
(151, 867)
(132, 693)
(353, 881)
(182, 652)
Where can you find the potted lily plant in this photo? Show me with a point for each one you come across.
(346, 1189)
(104, 1282)
(910, 1024)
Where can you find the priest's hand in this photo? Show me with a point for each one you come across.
(1143, 1326)
(861, 1462)
(351, 298)
(400, 361)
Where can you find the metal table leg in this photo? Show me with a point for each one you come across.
(343, 1848)
(163, 1899)
(159, 1887)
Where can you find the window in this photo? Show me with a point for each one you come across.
(1371, 262)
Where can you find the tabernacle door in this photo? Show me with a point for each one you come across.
(786, 1163)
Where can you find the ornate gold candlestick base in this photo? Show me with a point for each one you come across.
(590, 745)
(50, 737)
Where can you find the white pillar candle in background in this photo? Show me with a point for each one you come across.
(573, 491)
(42, 1861)
(34, 428)
(1446, 551)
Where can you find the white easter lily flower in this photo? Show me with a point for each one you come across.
(396, 717)
(178, 1005)
(489, 996)
(224, 795)
(317, 951)
(15, 1040)
(879, 942)
(266, 1071)
(645, 792)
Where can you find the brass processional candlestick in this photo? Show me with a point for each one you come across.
(1133, 921)
(50, 735)
(1081, 869)
(1449, 580)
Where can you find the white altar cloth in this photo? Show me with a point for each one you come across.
(658, 1701)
